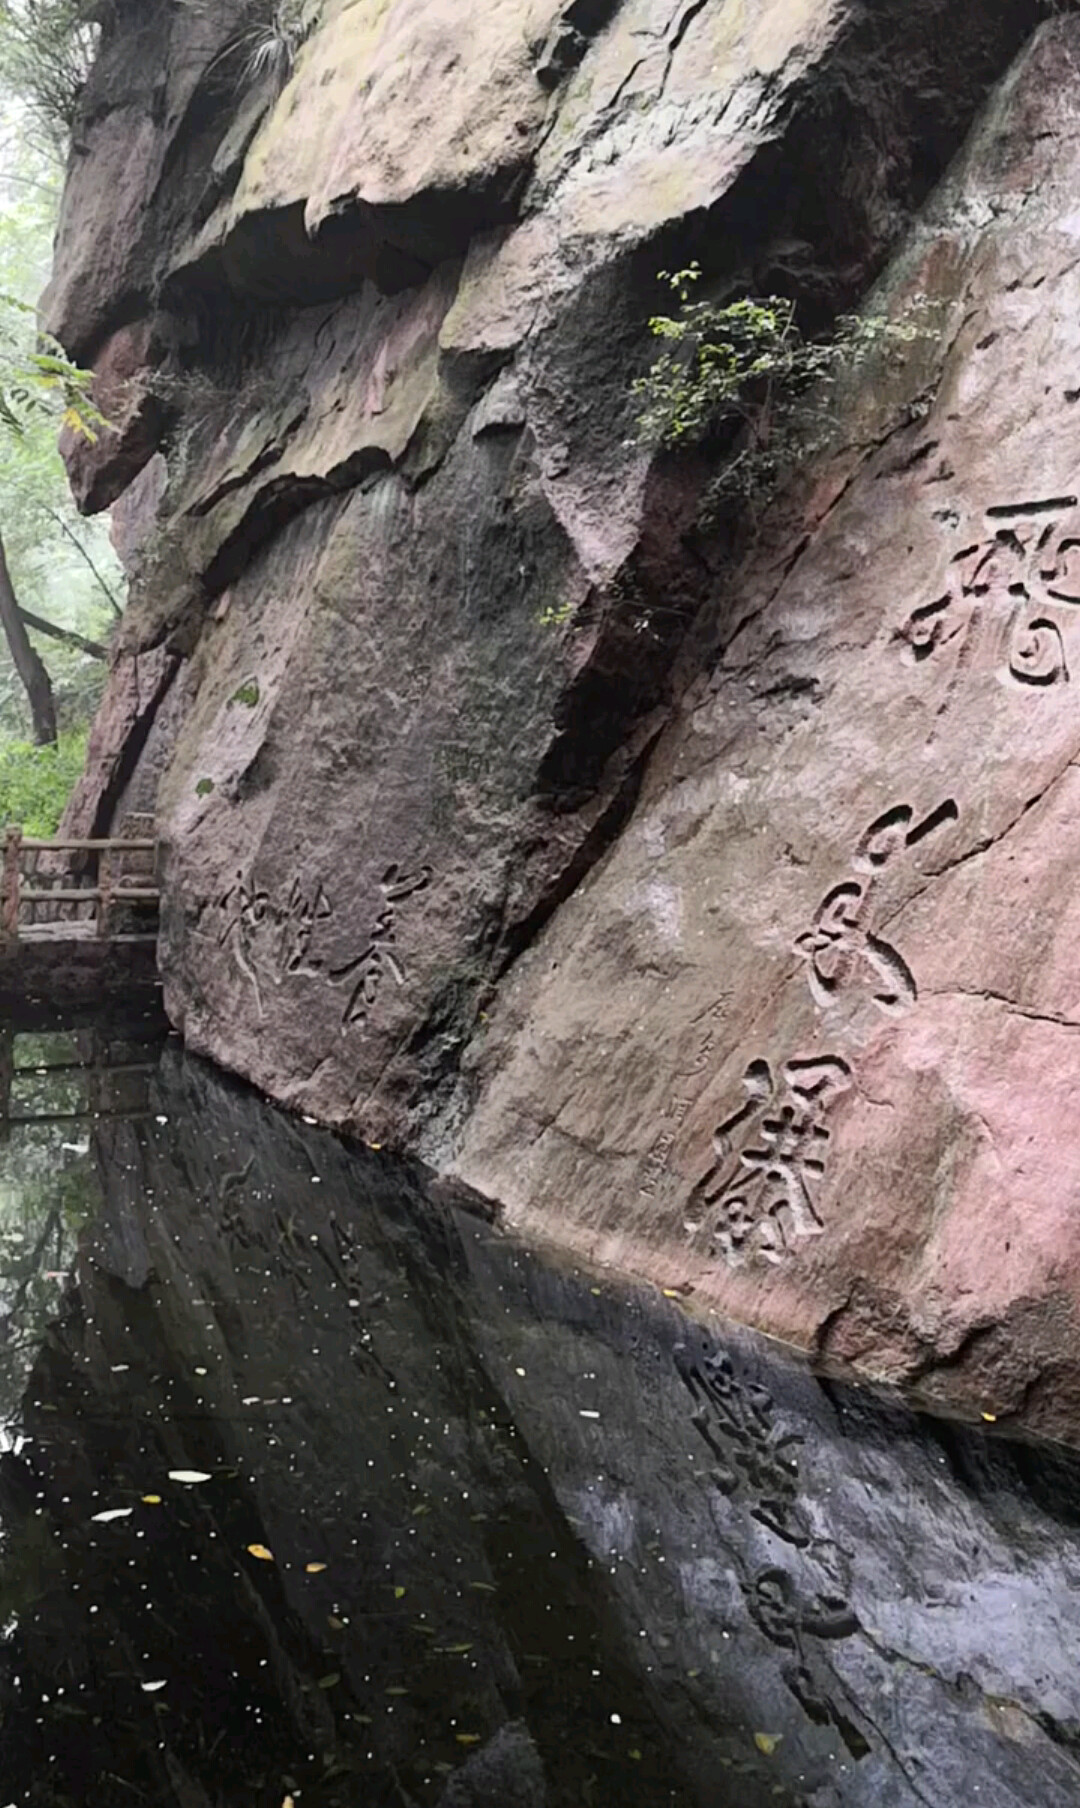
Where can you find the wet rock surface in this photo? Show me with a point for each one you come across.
(317, 1487)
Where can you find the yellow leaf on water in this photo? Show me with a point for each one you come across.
(260, 1551)
(314, 1569)
(151, 1500)
(990, 1417)
(671, 1293)
(767, 1742)
(468, 1738)
(399, 1594)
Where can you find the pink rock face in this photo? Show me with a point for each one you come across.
(716, 921)
(810, 1038)
(101, 469)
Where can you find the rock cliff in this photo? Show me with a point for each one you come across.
(704, 898)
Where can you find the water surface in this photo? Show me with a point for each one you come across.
(314, 1487)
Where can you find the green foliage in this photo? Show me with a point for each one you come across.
(47, 48)
(204, 787)
(63, 567)
(556, 614)
(36, 782)
(247, 693)
(747, 365)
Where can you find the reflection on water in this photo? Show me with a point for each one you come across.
(315, 1488)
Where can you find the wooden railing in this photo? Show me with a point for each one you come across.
(110, 1085)
(74, 900)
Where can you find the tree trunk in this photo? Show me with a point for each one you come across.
(28, 662)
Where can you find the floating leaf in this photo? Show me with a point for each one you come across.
(314, 1569)
(151, 1688)
(418, 1512)
(188, 1475)
(453, 1650)
(767, 1742)
(468, 1738)
(331, 1681)
(151, 1500)
(990, 1417)
(397, 1691)
(113, 1513)
(260, 1551)
(399, 1594)
(487, 1588)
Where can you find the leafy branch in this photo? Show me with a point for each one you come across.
(746, 370)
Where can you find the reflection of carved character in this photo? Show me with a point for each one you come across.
(839, 942)
(760, 1195)
(1026, 574)
(754, 1458)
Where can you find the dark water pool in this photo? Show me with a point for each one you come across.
(313, 1488)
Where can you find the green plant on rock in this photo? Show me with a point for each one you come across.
(746, 371)
(47, 49)
(267, 42)
(246, 693)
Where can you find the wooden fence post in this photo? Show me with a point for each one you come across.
(106, 883)
(9, 890)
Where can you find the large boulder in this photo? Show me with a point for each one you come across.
(809, 1036)
(414, 599)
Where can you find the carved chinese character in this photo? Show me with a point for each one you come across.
(1022, 579)
(368, 968)
(298, 921)
(759, 1196)
(840, 946)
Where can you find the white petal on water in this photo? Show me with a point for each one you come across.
(113, 1513)
(188, 1475)
(149, 1688)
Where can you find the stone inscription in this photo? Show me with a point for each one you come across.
(840, 947)
(761, 1192)
(689, 1083)
(761, 1195)
(1016, 587)
(292, 936)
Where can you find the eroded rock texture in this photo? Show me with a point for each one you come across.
(709, 909)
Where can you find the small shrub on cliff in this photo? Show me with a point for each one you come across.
(745, 369)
